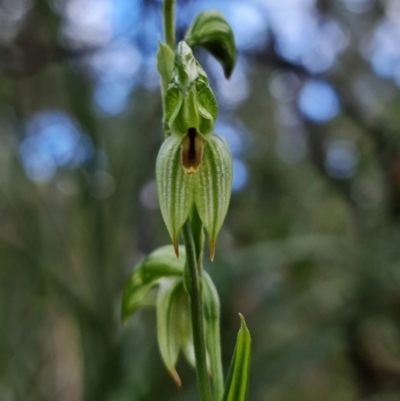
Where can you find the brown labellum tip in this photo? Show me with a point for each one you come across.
(192, 151)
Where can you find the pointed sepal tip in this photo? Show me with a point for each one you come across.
(176, 247)
(211, 246)
(176, 378)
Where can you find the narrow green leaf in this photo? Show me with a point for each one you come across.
(237, 384)
(213, 185)
(175, 188)
(165, 65)
(167, 328)
(212, 319)
(211, 31)
(160, 263)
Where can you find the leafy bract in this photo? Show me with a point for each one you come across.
(165, 64)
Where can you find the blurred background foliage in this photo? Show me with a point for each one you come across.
(310, 249)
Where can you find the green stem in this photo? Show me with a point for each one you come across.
(196, 308)
(211, 312)
(169, 23)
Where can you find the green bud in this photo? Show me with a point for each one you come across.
(211, 31)
(159, 264)
(194, 170)
(237, 384)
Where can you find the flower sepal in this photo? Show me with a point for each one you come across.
(194, 171)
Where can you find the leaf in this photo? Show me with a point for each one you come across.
(213, 186)
(175, 188)
(159, 264)
(211, 31)
(212, 320)
(168, 332)
(165, 67)
(237, 384)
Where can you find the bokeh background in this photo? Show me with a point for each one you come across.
(310, 250)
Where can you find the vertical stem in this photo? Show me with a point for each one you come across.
(211, 312)
(198, 236)
(169, 23)
(196, 308)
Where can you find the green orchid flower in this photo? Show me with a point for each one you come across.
(194, 165)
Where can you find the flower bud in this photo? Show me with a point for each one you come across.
(211, 31)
